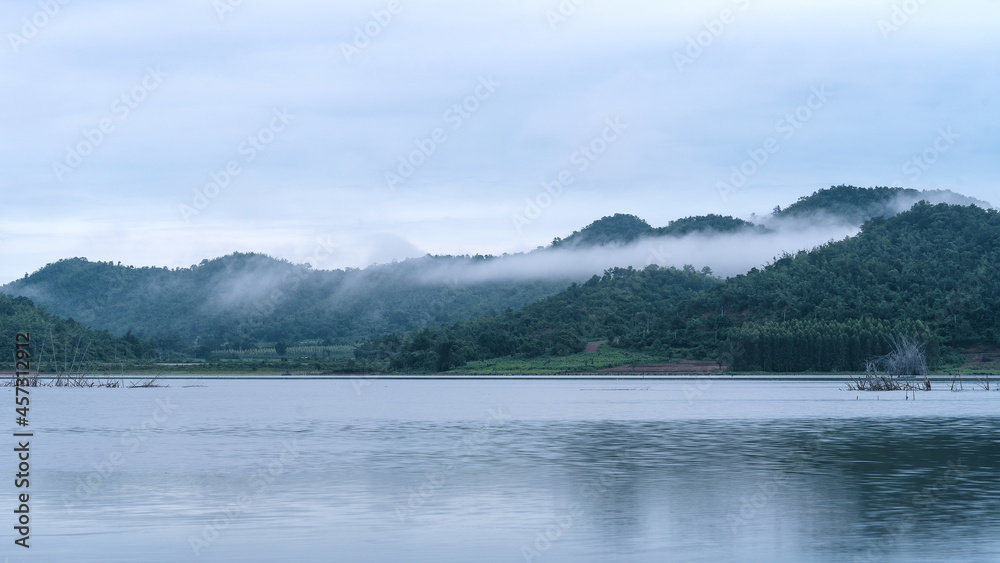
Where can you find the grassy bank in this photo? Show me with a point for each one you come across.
(606, 358)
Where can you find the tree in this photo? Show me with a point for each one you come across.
(280, 347)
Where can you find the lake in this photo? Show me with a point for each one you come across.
(384, 470)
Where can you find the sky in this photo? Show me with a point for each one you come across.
(346, 133)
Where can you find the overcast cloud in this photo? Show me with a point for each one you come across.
(117, 116)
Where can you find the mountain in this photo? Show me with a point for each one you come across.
(623, 229)
(242, 299)
(618, 229)
(932, 273)
(847, 204)
(709, 224)
(856, 205)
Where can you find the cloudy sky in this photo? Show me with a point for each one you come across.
(163, 132)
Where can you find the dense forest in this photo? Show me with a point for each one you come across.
(857, 205)
(622, 229)
(626, 304)
(932, 273)
(64, 345)
(241, 300)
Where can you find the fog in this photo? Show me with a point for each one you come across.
(256, 283)
(904, 202)
(254, 280)
(726, 254)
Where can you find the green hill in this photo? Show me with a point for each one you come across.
(856, 205)
(240, 300)
(623, 229)
(616, 229)
(848, 204)
(708, 224)
(932, 272)
(624, 302)
(251, 301)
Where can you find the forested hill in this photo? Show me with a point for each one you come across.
(58, 344)
(936, 265)
(243, 299)
(622, 229)
(932, 272)
(856, 205)
(846, 204)
(624, 303)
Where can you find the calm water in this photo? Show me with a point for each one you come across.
(550, 471)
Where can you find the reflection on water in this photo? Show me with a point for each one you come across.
(516, 471)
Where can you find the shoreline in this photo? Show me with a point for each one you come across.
(466, 377)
